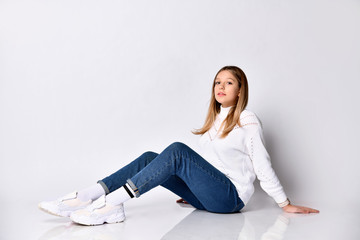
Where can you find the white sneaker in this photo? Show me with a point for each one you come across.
(99, 212)
(64, 206)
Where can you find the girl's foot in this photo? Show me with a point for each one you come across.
(99, 212)
(64, 206)
(181, 200)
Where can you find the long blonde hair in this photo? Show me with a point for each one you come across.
(233, 117)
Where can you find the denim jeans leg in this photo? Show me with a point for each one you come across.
(118, 178)
(179, 187)
(174, 184)
(212, 188)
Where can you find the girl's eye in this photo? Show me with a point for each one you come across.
(217, 82)
(229, 83)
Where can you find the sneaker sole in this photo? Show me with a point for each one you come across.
(53, 213)
(110, 220)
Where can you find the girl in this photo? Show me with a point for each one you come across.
(219, 180)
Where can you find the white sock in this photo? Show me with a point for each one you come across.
(91, 193)
(120, 195)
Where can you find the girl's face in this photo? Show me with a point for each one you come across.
(226, 89)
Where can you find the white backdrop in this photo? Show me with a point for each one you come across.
(86, 86)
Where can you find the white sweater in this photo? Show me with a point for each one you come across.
(242, 156)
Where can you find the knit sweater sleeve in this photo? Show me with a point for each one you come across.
(260, 158)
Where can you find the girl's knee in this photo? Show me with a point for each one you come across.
(178, 146)
(149, 155)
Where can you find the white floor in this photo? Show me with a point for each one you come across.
(152, 217)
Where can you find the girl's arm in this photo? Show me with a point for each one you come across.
(268, 179)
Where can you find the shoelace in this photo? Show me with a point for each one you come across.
(69, 196)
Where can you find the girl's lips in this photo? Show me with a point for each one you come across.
(221, 94)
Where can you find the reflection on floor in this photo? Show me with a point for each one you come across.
(197, 225)
(202, 225)
(164, 219)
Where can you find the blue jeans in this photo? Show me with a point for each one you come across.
(182, 171)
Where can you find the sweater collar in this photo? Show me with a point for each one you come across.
(224, 111)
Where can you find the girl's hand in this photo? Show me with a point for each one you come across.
(299, 209)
